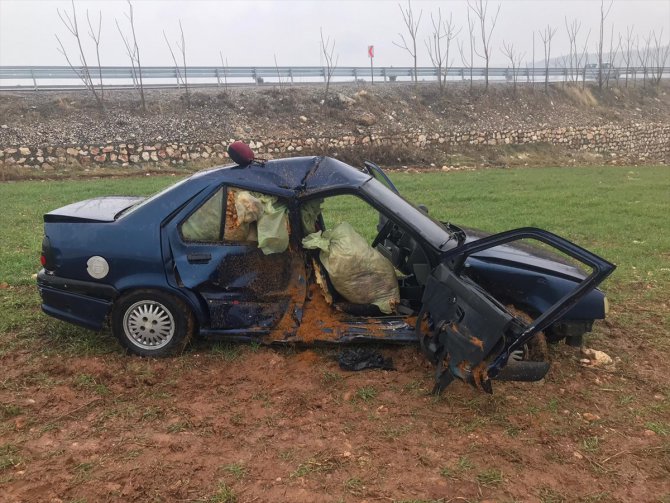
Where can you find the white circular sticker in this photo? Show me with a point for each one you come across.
(97, 267)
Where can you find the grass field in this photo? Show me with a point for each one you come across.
(620, 213)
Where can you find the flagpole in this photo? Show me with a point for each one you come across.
(372, 73)
(371, 55)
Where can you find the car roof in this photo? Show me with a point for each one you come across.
(292, 177)
(305, 175)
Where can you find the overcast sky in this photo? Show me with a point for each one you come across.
(251, 32)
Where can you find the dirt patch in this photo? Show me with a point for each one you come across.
(320, 320)
(272, 425)
(262, 424)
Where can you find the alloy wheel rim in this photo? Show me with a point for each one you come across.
(148, 324)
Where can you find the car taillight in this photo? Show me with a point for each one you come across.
(46, 258)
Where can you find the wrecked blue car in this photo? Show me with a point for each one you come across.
(225, 253)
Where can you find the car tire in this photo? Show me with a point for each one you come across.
(536, 349)
(152, 323)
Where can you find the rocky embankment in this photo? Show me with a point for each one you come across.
(49, 130)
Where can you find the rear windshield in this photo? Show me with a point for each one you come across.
(130, 209)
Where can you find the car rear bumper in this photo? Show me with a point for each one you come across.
(81, 302)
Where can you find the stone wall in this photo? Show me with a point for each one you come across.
(642, 141)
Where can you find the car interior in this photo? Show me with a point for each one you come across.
(386, 236)
(234, 215)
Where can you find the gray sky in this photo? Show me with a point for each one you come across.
(251, 32)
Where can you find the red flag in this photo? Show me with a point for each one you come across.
(371, 51)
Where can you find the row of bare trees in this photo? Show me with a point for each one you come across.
(650, 56)
(72, 25)
(647, 55)
(129, 37)
(444, 32)
(96, 86)
(83, 70)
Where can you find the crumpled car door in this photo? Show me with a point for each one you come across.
(244, 290)
(470, 335)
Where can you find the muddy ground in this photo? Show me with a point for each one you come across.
(248, 423)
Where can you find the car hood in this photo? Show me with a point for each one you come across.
(525, 255)
(99, 209)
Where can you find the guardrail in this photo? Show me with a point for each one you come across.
(34, 76)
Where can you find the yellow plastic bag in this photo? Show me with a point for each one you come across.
(272, 225)
(257, 217)
(358, 272)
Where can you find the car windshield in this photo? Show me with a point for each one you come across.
(410, 216)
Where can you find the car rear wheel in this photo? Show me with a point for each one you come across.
(152, 323)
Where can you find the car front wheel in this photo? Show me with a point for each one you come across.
(152, 323)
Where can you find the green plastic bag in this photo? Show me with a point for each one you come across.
(309, 213)
(272, 225)
(205, 223)
(358, 272)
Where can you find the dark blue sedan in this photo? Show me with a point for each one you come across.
(191, 261)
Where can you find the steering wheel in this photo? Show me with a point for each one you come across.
(383, 232)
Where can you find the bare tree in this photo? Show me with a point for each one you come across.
(604, 12)
(133, 51)
(611, 58)
(450, 34)
(177, 70)
(225, 71)
(281, 84)
(480, 8)
(439, 55)
(96, 40)
(659, 56)
(572, 29)
(563, 64)
(412, 29)
(575, 55)
(181, 46)
(434, 46)
(327, 50)
(471, 39)
(546, 35)
(643, 57)
(514, 59)
(71, 24)
(627, 50)
(585, 58)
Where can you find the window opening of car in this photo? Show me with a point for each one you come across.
(204, 224)
(359, 258)
(236, 215)
(353, 210)
(433, 231)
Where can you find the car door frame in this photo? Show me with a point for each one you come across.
(173, 244)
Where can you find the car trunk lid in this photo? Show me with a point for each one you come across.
(99, 209)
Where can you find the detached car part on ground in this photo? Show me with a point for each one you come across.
(140, 264)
